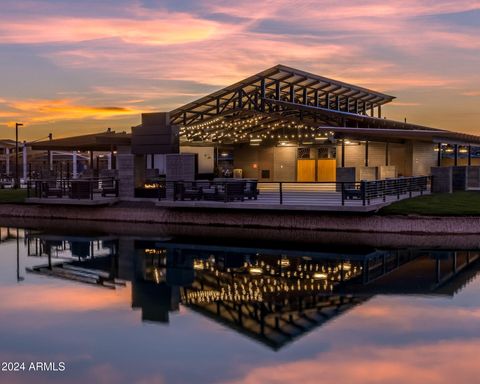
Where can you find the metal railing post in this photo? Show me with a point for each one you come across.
(362, 191)
(281, 192)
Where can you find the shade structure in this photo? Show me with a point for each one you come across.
(286, 103)
(104, 141)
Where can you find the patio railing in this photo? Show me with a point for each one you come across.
(300, 193)
(73, 188)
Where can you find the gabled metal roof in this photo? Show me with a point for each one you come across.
(281, 83)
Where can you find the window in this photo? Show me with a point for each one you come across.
(303, 153)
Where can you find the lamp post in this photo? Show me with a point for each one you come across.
(17, 180)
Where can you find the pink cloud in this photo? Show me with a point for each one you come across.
(433, 363)
(160, 28)
(387, 46)
(73, 298)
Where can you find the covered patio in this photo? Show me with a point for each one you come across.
(89, 178)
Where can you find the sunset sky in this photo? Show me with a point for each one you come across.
(72, 67)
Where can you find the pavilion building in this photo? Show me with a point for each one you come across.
(284, 124)
(281, 124)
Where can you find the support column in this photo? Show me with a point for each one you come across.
(91, 161)
(379, 111)
(109, 160)
(469, 155)
(50, 160)
(387, 145)
(343, 153)
(25, 161)
(126, 172)
(74, 165)
(366, 153)
(292, 94)
(7, 161)
(439, 155)
(455, 149)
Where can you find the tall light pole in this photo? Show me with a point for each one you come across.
(17, 180)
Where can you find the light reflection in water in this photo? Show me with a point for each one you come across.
(337, 310)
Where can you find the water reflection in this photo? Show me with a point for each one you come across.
(271, 295)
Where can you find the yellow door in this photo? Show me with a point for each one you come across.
(306, 170)
(326, 170)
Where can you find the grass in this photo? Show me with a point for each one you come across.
(440, 204)
(12, 195)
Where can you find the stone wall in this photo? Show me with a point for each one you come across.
(126, 172)
(244, 219)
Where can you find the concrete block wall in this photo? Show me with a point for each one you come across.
(181, 167)
(459, 178)
(366, 173)
(346, 174)
(252, 160)
(126, 172)
(442, 179)
(205, 156)
(473, 176)
(355, 154)
(398, 158)
(446, 162)
(387, 172)
(285, 163)
(424, 158)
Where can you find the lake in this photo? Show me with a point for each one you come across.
(82, 305)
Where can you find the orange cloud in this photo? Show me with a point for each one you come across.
(471, 93)
(36, 111)
(387, 46)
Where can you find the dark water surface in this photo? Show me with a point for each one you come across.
(135, 308)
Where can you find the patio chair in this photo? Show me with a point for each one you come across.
(109, 187)
(234, 190)
(182, 192)
(50, 188)
(80, 189)
(251, 190)
(355, 193)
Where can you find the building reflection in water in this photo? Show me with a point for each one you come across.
(271, 295)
